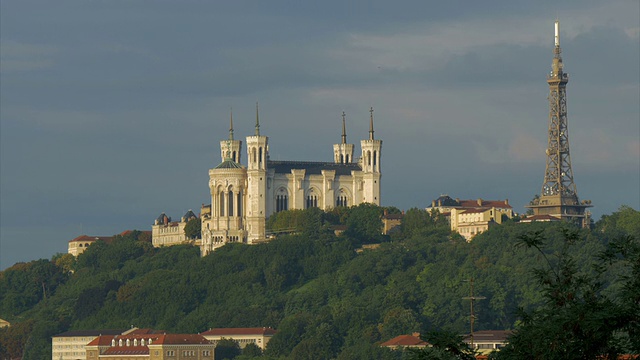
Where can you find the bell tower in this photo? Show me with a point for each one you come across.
(257, 151)
(559, 197)
(343, 152)
(370, 163)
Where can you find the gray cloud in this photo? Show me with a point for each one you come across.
(112, 113)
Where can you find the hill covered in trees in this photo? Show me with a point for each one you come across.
(326, 296)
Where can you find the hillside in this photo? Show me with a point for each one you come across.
(322, 296)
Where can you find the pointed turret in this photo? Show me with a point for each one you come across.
(230, 149)
(370, 163)
(343, 152)
(371, 137)
(344, 129)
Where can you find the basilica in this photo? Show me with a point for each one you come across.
(244, 196)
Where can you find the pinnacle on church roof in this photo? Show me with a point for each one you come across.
(344, 129)
(371, 137)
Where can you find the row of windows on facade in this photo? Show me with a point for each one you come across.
(189, 353)
(282, 203)
(128, 342)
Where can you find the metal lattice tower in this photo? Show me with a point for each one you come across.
(559, 197)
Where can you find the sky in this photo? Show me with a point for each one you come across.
(111, 112)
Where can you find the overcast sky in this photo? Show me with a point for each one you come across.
(112, 111)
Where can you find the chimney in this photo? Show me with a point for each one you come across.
(433, 203)
(506, 201)
(479, 202)
(416, 334)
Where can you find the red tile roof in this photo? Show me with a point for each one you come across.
(127, 350)
(405, 340)
(177, 339)
(91, 238)
(103, 340)
(239, 331)
(486, 203)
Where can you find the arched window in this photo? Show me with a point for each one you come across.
(347, 159)
(239, 210)
(375, 158)
(221, 199)
(260, 156)
(341, 159)
(234, 157)
(341, 201)
(282, 202)
(369, 158)
(253, 154)
(230, 203)
(312, 201)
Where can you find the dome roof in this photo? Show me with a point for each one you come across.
(228, 164)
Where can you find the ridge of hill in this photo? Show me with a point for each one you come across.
(322, 296)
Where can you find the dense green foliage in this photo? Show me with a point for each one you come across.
(325, 299)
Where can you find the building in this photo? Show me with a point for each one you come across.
(70, 345)
(472, 217)
(405, 341)
(4, 323)
(165, 232)
(559, 197)
(244, 196)
(391, 222)
(243, 336)
(137, 346)
(486, 341)
(78, 245)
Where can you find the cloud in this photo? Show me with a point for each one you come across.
(18, 57)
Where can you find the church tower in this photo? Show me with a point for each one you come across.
(257, 151)
(559, 197)
(370, 162)
(343, 152)
(231, 149)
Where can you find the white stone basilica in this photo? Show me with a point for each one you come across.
(243, 197)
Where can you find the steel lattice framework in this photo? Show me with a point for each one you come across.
(558, 179)
(559, 197)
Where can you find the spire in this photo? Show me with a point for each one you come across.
(344, 129)
(231, 126)
(371, 124)
(257, 121)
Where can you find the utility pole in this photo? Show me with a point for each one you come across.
(472, 315)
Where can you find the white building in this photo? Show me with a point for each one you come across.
(471, 217)
(165, 232)
(244, 196)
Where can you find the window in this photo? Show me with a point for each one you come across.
(221, 198)
(282, 202)
(342, 201)
(312, 201)
(239, 210)
(230, 203)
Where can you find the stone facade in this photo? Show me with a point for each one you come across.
(243, 336)
(165, 232)
(472, 217)
(244, 196)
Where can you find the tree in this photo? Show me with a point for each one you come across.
(445, 345)
(365, 223)
(193, 228)
(226, 349)
(578, 320)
